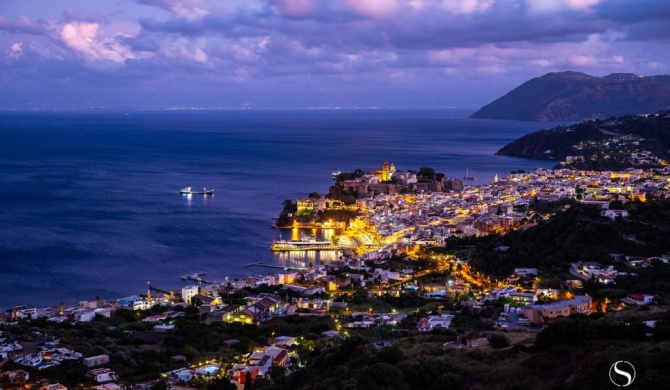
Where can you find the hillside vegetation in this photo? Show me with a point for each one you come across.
(575, 96)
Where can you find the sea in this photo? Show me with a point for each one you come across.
(90, 203)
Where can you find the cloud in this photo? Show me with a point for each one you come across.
(22, 25)
(16, 50)
(319, 44)
(376, 9)
(296, 8)
(466, 6)
(189, 9)
(83, 38)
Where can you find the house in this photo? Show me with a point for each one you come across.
(258, 312)
(267, 357)
(96, 360)
(523, 297)
(525, 272)
(639, 299)
(285, 341)
(432, 322)
(16, 376)
(612, 214)
(182, 374)
(128, 301)
(143, 304)
(188, 292)
(102, 375)
(107, 386)
(240, 372)
(54, 386)
(225, 314)
(538, 314)
(163, 328)
(501, 293)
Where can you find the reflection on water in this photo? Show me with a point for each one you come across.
(298, 233)
(301, 259)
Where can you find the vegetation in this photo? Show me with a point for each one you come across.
(579, 234)
(571, 96)
(605, 144)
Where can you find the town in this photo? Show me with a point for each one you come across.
(408, 270)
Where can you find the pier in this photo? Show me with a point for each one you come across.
(295, 248)
(261, 264)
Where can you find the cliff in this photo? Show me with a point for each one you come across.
(572, 96)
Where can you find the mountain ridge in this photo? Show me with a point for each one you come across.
(576, 96)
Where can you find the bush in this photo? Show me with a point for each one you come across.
(499, 340)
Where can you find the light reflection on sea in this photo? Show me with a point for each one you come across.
(91, 204)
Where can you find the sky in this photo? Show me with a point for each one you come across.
(313, 53)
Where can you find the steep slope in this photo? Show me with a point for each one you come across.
(568, 96)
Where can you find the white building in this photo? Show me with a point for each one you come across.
(96, 360)
(102, 375)
(188, 292)
(432, 322)
(612, 214)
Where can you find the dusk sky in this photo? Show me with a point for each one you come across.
(302, 53)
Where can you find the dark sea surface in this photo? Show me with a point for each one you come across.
(90, 203)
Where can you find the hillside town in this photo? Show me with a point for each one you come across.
(396, 254)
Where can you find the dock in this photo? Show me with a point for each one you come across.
(261, 264)
(302, 248)
(197, 278)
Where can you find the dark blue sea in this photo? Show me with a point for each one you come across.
(90, 203)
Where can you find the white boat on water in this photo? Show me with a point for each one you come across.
(304, 242)
(190, 191)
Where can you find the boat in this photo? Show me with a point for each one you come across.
(190, 191)
(305, 241)
(467, 175)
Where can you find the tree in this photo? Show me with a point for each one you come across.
(381, 376)
(289, 207)
(499, 340)
(221, 384)
(427, 173)
(248, 382)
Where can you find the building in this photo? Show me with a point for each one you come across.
(612, 214)
(188, 292)
(226, 314)
(639, 299)
(541, 313)
(523, 297)
(102, 375)
(107, 386)
(432, 322)
(54, 386)
(311, 205)
(182, 374)
(96, 360)
(16, 376)
(525, 272)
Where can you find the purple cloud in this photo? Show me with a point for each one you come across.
(263, 46)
